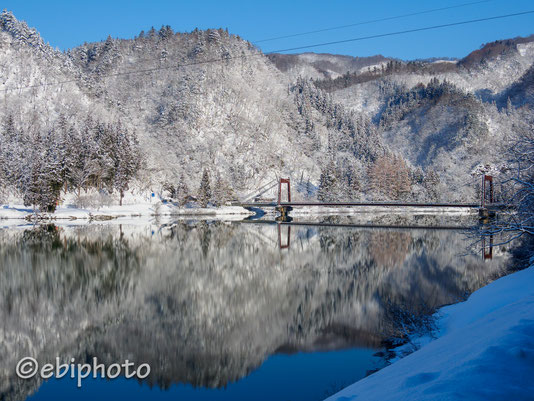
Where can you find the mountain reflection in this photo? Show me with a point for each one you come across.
(207, 303)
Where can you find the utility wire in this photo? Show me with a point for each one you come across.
(359, 23)
(175, 66)
(370, 21)
(381, 35)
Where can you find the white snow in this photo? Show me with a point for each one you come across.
(130, 210)
(321, 210)
(484, 351)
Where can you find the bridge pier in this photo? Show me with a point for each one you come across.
(487, 210)
(485, 213)
(284, 213)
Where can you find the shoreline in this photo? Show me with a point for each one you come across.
(21, 212)
(482, 349)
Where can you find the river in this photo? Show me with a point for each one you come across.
(225, 310)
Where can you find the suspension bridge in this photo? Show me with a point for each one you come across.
(487, 207)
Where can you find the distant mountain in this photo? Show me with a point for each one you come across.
(521, 92)
(450, 117)
(323, 66)
(491, 51)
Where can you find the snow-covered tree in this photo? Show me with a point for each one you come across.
(126, 160)
(328, 183)
(204, 192)
(390, 177)
(519, 195)
(222, 191)
(182, 190)
(41, 183)
(431, 183)
(354, 186)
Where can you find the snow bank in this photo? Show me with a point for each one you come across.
(484, 351)
(318, 210)
(132, 210)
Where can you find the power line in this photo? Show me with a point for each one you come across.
(381, 35)
(370, 21)
(359, 23)
(148, 70)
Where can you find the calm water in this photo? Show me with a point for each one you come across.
(221, 311)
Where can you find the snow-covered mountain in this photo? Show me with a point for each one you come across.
(324, 65)
(236, 117)
(211, 100)
(449, 116)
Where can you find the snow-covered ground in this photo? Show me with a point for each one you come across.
(318, 210)
(484, 351)
(131, 210)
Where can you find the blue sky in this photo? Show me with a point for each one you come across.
(65, 24)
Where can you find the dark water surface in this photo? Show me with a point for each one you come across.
(221, 310)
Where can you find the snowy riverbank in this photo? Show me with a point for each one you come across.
(484, 351)
(111, 212)
(434, 211)
(144, 209)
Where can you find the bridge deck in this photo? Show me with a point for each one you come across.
(349, 204)
(353, 225)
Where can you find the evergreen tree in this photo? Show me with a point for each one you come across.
(81, 160)
(222, 191)
(353, 181)
(327, 183)
(29, 183)
(431, 183)
(41, 182)
(50, 178)
(126, 162)
(8, 128)
(11, 151)
(182, 191)
(204, 192)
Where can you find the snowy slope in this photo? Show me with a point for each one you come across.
(452, 134)
(323, 65)
(487, 78)
(235, 117)
(25, 60)
(248, 122)
(485, 351)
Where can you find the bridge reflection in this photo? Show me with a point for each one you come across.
(287, 242)
(205, 303)
(487, 250)
(284, 232)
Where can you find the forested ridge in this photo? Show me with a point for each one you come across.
(81, 123)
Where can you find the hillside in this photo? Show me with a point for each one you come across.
(446, 116)
(209, 100)
(235, 117)
(323, 66)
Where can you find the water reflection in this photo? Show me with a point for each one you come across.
(206, 303)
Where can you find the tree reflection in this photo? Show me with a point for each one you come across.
(205, 303)
(390, 248)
